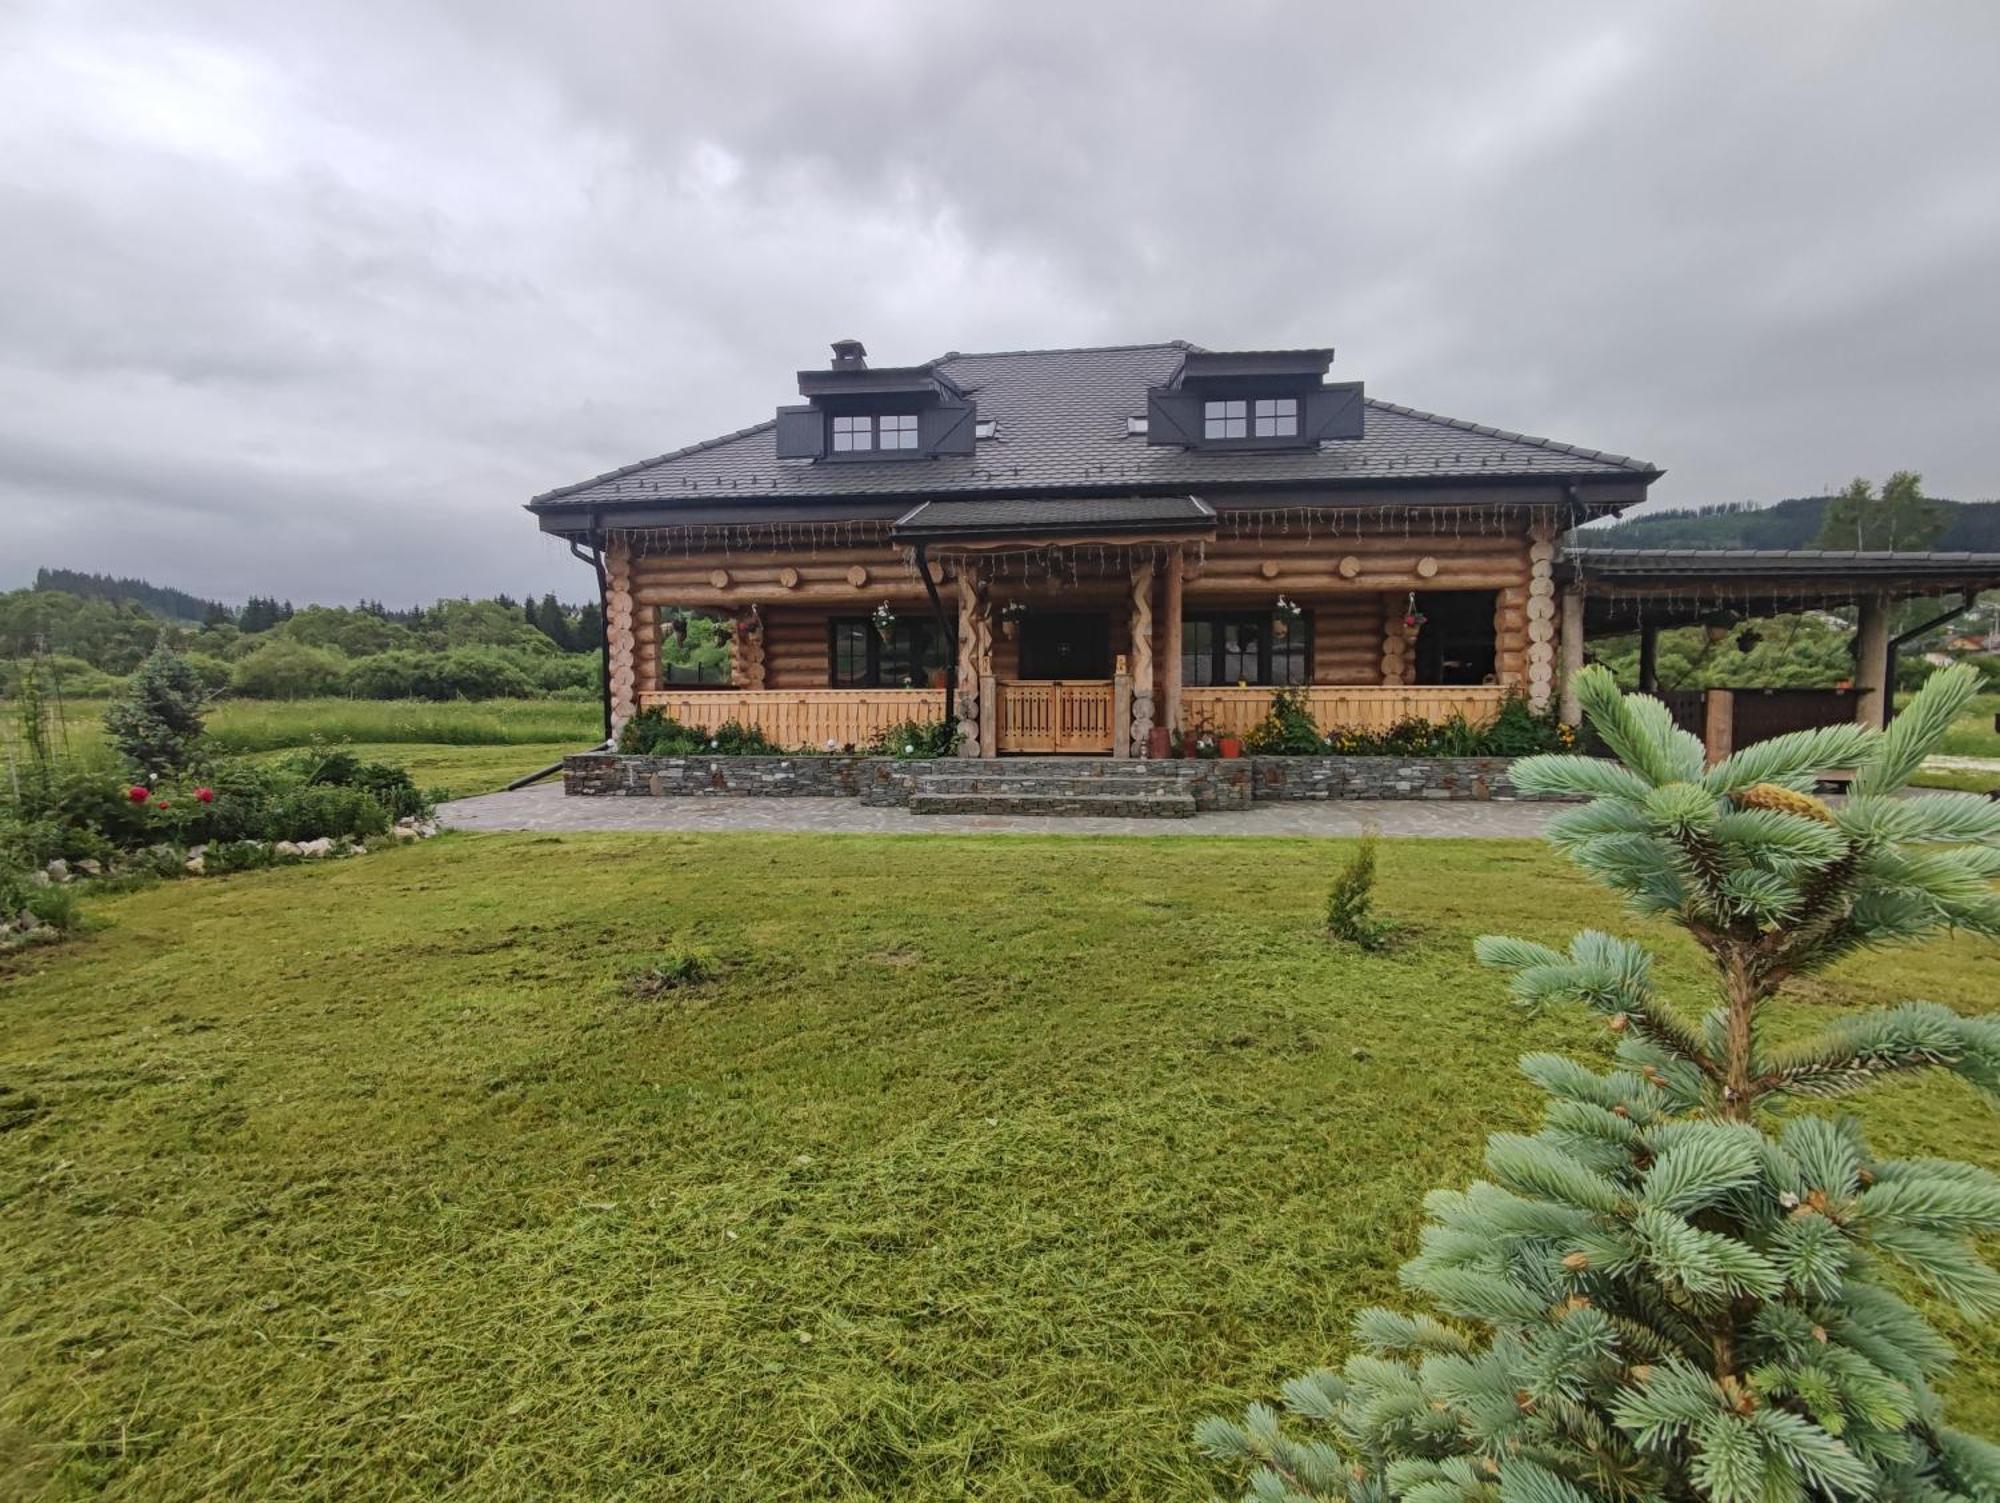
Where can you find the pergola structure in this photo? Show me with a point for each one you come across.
(1616, 591)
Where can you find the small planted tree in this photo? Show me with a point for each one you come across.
(1664, 1293)
(1350, 902)
(157, 725)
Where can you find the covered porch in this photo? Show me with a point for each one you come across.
(1117, 627)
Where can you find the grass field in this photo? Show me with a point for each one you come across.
(983, 1168)
(460, 748)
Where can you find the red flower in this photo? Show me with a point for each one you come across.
(138, 794)
(206, 795)
(163, 804)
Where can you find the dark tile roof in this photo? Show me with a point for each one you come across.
(1062, 426)
(1814, 563)
(1033, 515)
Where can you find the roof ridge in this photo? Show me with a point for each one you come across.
(1076, 349)
(1553, 445)
(645, 464)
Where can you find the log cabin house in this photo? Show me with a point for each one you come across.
(1068, 551)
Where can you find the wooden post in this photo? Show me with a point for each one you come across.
(1649, 657)
(975, 656)
(1718, 724)
(989, 714)
(1871, 662)
(1136, 723)
(1122, 713)
(1572, 654)
(1170, 642)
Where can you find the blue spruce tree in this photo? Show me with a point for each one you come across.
(1669, 1293)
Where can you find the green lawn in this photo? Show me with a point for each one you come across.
(983, 1169)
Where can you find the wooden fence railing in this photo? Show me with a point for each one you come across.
(800, 719)
(1234, 712)
(1056, 715)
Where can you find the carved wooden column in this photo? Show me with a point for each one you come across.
(1142, 654)
(975, 657)
(1541, 614)
(1170, 640)
(746, 649)
(618, 630)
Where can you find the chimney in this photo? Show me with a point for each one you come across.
(849, 355)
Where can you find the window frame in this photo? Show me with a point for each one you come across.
(863, 435)
(1298, 645)
(1250, 437)
(873, 651)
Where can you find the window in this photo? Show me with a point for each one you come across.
(1253, 417)
(1277, 417)
(694, 648)
(861, 657)
(853, 433)
(862, 434)
(1245, 647)
(1456, 645)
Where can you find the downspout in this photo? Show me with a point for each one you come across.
(947, 628)
(595, 558)
(1965, 604)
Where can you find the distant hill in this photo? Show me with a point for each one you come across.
(1975, 527)
(171, 604)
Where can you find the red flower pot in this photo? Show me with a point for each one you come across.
(1159, 741)
(1230, 746)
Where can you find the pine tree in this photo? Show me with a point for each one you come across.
(157, 725)
(1662, 1294)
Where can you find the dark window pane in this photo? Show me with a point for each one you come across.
(850, 654)
(1197, 651)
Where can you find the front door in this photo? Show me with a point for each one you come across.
(1065, 644)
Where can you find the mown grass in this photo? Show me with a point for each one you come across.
(980, 1168)
(457, 771)
(1973, 734)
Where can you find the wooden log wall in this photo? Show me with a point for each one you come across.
(1346, 638)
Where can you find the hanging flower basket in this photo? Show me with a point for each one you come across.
(1010, 619)
(1283, 615)
(885, 621)
(1413, 619)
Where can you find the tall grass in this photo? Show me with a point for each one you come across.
(252, 725)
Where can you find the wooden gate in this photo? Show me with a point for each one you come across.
(1056, 715)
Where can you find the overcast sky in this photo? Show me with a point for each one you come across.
(307, 299)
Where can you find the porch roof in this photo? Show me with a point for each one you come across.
(1041, 517)
(1672, 586)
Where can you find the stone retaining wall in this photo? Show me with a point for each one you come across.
(1384, 777)
(616, 775)
(886, 782)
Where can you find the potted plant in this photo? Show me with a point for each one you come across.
(1229, 746)
(1159, 743)
(884, 619)
(1010, 619)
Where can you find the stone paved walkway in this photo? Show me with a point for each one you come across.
(543, 807)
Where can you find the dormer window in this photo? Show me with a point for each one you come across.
(1260, 417)
(855, 434)
(1277, 417)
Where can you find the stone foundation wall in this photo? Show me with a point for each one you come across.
(1384, 778)
(603, 774)
(883, 781)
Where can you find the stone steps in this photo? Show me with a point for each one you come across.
(1150, 803)
(1000, 782)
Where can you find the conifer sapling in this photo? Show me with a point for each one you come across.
(1662, 1293)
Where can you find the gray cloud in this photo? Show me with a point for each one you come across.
(308, 299)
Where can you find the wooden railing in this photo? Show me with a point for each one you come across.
(800, 719)
(1056, 715)
(1234, 712)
